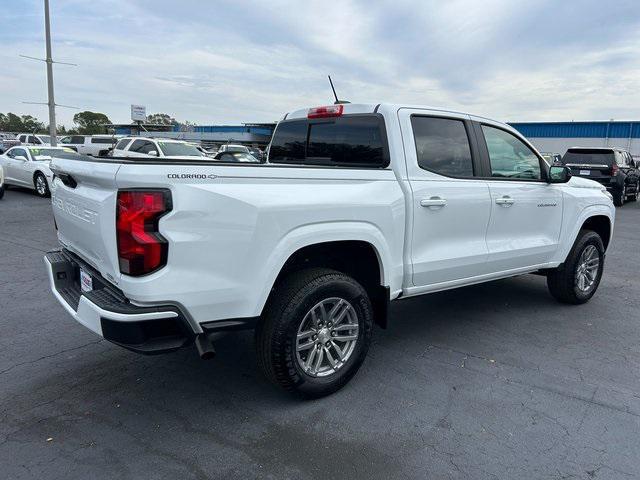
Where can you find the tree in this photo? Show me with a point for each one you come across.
(90, 123)
(31, 124)
(15, 123)
(161, 119)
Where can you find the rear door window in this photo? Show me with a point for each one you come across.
(349, 141)
(142, 146)
(122, 144)
(442, 146)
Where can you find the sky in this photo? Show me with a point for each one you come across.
(225, 62)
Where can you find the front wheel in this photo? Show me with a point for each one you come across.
(578, 278)
(1, 191)
(315, 333)
(40, 182)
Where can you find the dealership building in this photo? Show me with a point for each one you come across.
(557, 137)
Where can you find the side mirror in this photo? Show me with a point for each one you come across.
(20, 157)
(559, 174)
(154, 153)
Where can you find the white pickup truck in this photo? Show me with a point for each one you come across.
(356, 206)
(93, 145)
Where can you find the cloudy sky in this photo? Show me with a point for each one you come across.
(234, 61)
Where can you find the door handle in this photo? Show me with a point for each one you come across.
(505, 201)
(433, 202)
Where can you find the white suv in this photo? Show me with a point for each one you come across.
(147, 147)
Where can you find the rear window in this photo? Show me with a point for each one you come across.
(349, 141)
(588, 157)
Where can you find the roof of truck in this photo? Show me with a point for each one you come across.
(355, 108)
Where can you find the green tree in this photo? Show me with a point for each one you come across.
(90, 123)
(161, 119)
(31, 124)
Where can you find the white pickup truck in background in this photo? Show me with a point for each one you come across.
(93, 145)
(357, 206)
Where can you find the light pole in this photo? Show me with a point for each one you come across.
(51, 102)
(49, 61)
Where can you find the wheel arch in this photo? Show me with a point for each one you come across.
(360, 253)
(601, 224)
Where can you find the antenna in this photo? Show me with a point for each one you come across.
(337, 102)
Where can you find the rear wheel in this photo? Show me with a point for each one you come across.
(315, 333)
(578, 278)
(40, 182)
(634, 197)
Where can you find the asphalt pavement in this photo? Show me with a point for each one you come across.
(492, 381)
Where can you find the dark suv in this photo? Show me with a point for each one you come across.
(612, 167)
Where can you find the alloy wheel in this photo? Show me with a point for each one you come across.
(587, 269)
(41, 185)
(326, 337)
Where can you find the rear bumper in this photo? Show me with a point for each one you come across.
(108, 313)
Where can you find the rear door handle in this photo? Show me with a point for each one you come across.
(505, 201)
(433, 202)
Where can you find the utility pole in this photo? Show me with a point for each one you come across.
(49, 61)
(51, 102)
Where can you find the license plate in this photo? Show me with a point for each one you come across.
(86, 282)
(585, 172)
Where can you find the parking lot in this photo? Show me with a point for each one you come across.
(492, 381)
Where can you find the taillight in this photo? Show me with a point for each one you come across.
(614, 169)
(325, 112)
(141, 248)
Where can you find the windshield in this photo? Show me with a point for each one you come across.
(45, 138)
(177, 149)
(48, 152)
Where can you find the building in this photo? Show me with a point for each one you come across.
(557, 137)
(254, 134)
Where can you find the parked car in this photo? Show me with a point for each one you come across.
(614, 168)
(357, 206)
(34, 139)
(1, 182)
(93, 145)
(7, 140)
(143, 147)
(28, 166)
(552, 158)
(236, 157)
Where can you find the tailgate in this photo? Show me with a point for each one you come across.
(84, 206)
(595, 172)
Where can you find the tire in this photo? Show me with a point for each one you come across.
(1, 192)
(564, 282)
(635, 196)
(620, 196)
(290, 311)
(41, 185)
